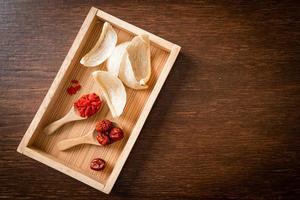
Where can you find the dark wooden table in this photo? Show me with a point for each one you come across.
(226, 124)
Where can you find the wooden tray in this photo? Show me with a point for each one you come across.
(75, 162)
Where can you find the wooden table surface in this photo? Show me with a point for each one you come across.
(226, 124)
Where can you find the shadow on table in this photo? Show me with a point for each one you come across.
(130, 176)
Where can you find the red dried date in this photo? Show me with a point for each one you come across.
(107, 133)
(104, 126)
(116, 134)
(103, 139)
(97, 164)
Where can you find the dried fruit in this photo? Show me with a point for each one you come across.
(74, 89)
(103, 139)
(71, 90)
(88, 105)
(74, 81)
(116, 134)
(107, 132)
(77, 87)
(104, 126)
(97, 164)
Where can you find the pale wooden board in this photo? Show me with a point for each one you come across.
(79, 157)
(75, 162)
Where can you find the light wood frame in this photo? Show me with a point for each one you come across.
(24, 146)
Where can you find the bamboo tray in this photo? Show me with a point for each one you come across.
(75, 162)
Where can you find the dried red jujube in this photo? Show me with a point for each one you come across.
(104, 126)
(108, 133)
(103, 139)
(97, 164)
(116, 134)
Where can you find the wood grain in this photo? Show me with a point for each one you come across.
(225, 126)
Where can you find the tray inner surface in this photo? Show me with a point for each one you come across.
(79, 157)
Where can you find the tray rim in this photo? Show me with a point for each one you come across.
(47, 159)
